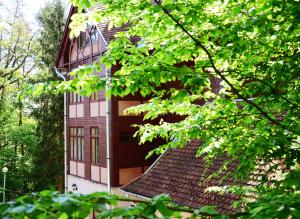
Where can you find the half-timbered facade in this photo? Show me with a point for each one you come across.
(101, 151)
(98, 133)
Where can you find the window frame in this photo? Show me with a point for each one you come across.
(94, 36)
(77, 145)
(75, 98)
(95, 97)
(82, 40)
(95, 157)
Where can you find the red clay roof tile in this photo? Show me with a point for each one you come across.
(181, 175)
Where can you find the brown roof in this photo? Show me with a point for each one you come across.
(109, 34)
(103, 26)
(181, 175)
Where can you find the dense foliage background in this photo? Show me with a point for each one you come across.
(31, 133)
(250, 48)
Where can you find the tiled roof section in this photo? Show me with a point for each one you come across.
(184, 177)
(103, 26)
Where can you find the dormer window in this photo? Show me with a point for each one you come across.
(82, 40)
(94, 35)
(86, 38)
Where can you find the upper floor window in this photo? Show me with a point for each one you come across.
(94, 35)
(82, 40)
(95, 145)
(91, 36)
(95, 97)
(75, 98)
(77, 143)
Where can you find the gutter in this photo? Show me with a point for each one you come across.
(107, 124)
(65, 132)
(134, 194)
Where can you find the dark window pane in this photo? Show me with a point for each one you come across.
(127, 138)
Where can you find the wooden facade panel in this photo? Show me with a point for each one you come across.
(81, 169)
(79, 110)
(95, 173)
(90, 114)
(73, 167)
(125, 104)
(128, 174)
(104, 177)
(94, 109)
(72, 111)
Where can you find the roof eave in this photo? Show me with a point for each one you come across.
(66, 31)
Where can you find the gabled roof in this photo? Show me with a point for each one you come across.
(103, 26)
(106, 34)
(184, 177)
(65, 37)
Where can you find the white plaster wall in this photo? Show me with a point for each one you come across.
(85, 186)
(94, 109)
(102, 106)
(74, 52)
(72, 111)
(95, 173)
(73, 167)
(104, 178)
(80, 169)
(79, 110)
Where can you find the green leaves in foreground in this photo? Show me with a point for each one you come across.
(284, 203)
(50, 204)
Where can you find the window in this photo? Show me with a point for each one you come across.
(127, 138)
(95, 145)
(94, 97)
(75, 98)
(77, 143)
(81, 42)
(94, 35)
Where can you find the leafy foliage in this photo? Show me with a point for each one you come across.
(186, 48)
(17, 143)
(23, 147)
(48, 108)
(17, 135)
(16, 46)
(49, 204)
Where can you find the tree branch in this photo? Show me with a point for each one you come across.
(217, 71)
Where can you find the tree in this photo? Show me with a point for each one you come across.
(251, 47)
(16, 46)
(48, 157)
(17, 135)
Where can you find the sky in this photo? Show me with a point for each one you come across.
(31, 7)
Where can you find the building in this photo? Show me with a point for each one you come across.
(102, 155)
(185, 178)
(101, 151)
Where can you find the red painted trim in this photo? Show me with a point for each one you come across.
(65, 35)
